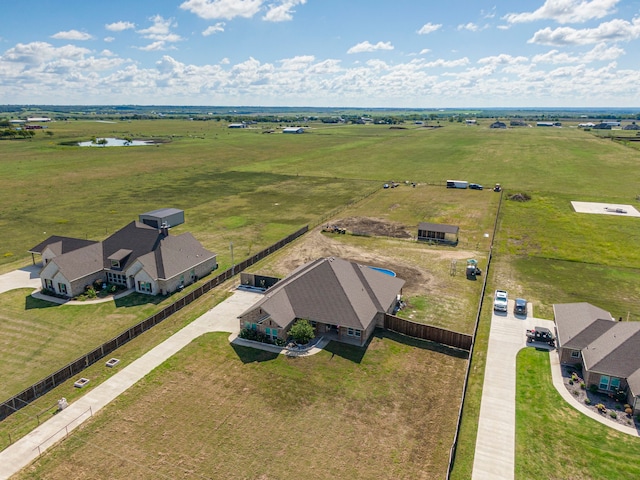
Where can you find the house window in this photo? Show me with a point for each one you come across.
(354, 332)
(62, 288)
(144, 287)
(604, 382)
(254, 326)
(247, 325)
(115, 263)
(116, 278)
(48, 284)
(614, 384)
(575, 354)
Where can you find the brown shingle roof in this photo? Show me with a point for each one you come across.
(333, 291)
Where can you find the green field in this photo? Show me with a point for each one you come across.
(343, 413)
(250, 188)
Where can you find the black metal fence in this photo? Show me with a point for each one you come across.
(38, 389)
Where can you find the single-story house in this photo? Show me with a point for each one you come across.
(137, 256)
(293, 130)
(608, 351)
(343, 300)
(237, 125)
(436, 232)
(631, 126)
(498, 125)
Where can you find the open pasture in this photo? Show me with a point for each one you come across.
(219, 411)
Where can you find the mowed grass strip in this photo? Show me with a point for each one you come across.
(40, 337)
(222, 412)
(553, 440)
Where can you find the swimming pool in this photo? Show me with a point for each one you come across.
(386, 271)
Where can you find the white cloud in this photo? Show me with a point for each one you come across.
(107, 53)
(72, 35)
(600, 52)
(226, 9)
(109, 39)
(424, 51)
(502, 59)
(366, 46)
(225, 61)
(461, 62)
(429, 28)
(217, 28)
(154, 46)
(566, 11)
(297, 63)
(472, 27)
(119, 26)
(613, 31)
(282, 12)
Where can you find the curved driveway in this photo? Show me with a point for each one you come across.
(26, 277)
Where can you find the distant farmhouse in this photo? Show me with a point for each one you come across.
(138, 256)
(498, 124)
(548, 124)
(293, 130)
(608, 351)
(518, 122)
(631, 126)
(343, 300)
(237, 125)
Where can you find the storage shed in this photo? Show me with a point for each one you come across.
(156, 218)
(440, 233)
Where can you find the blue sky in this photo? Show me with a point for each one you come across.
(325, 53)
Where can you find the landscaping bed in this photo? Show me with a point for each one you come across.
(607, 406)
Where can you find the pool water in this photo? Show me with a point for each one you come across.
(386, 271)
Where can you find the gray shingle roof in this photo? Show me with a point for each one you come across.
(163, 256)
(438, 227)
(573, 318)
(81, 262)
(333, 291)
(616, 352)
(60, 245)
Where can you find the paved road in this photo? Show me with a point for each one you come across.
(221, 318)
(26, 277)
(495, 444)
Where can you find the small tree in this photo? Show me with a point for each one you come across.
(302, 331)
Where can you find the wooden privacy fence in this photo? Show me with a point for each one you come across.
(428, 332)
(43, 386)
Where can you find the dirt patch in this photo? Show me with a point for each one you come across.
(374, 227)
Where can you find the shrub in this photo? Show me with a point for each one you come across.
(302, 331)
(593, 388)
(613, 414)
(583, 386)
(97, 284)
(587, 401)
(570, 381)
(628, 411)
(601, 408)
(574, 377)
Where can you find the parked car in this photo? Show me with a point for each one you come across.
(520, 307)
(475, 186)
(541, 334)
(500, 301)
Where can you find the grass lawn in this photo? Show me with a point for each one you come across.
(223, 412)
(39, 337)
(555, 441)
(41, 409)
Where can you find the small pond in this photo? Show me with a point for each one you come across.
(115, 142)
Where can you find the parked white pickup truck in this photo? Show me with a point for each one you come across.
(500, 301)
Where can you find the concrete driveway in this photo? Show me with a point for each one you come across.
(495, 444)
(26, 277)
